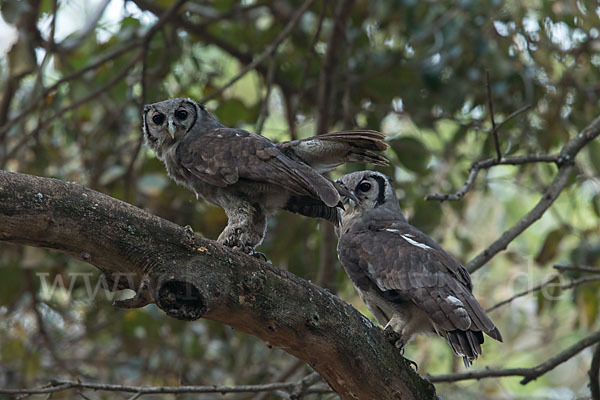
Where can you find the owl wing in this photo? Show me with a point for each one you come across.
(404, 264)
(327, 151)
(223, 156)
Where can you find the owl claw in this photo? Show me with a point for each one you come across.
(259, 255)
(412, 363)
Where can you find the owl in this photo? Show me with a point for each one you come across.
(246, 174)
(409, 283)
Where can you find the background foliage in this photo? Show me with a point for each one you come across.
(75, 74)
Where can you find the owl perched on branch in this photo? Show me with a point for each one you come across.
(407, 280)
(246, 174)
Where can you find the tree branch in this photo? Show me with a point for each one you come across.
(61, 386)
(528, 374)
(566, 165)
(488, 163)
(491, 107)
(578, 268)
(570, 285)
(189, 277)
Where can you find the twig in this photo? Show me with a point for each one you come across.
(488, 163)
(528, 374)
(132, 44)
(83, 396)
(566, 166)
(60, 386)
(593, 373)
(95, 93)
(491, 106)
(311, 54)
(103, 60)
(91, 96)
(523, 293)
(579, 268)
(570, 285)
(264, 112)
(282, 376)
(42, 327)
(271, 48)
(513, 115)
(135, 396)
(71, 43)
(302, 387)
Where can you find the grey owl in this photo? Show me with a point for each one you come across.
(246, 174)
(407, 280)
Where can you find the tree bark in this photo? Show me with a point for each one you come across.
(190, 277)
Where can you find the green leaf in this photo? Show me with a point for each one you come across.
(233, 111)
(587, 304)
(550, 247)
(412, 153)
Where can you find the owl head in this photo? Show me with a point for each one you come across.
(167, 121)
(375, 194)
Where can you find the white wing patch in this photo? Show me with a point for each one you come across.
(392, 230)
(455, 301)
(415, 243)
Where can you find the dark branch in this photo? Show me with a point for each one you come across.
(528, 374)
(491, 162)
(553, 278)
(578, 268)
(488, 163)
(491, 107)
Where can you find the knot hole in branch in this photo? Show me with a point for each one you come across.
(181, 300)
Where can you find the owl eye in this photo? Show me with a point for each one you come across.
(158, 119)
(181, 114)
(364, 186)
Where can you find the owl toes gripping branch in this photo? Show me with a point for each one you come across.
(246, 174)
(407, 281)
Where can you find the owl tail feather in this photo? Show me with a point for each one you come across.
(465, 344)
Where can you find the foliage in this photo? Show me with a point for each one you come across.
(414, 70)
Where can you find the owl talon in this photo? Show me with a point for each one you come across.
(260, 255)
(412, 363)
(392, 336)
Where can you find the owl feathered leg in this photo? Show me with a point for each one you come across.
(246, 226)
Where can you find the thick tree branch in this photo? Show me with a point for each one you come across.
(190, 277)
(566, 165)
(528, 374)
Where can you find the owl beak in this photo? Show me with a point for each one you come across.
(350, 198)
(353, 200)
(171, 128)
